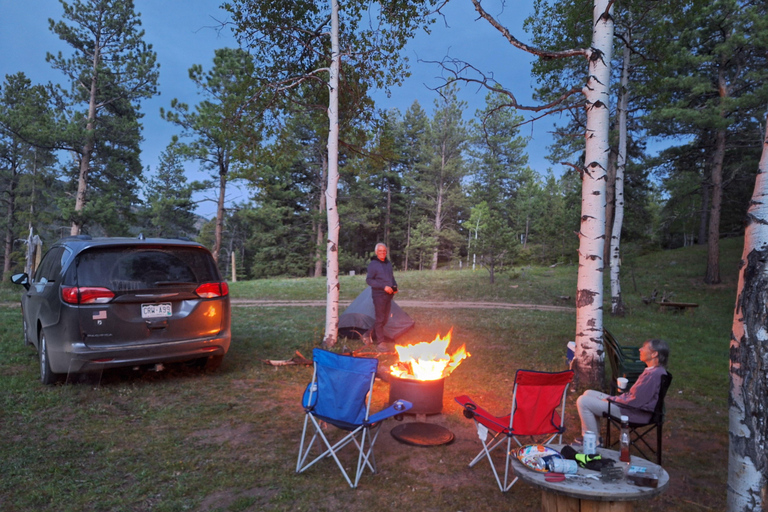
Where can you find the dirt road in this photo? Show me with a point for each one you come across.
(405, 304)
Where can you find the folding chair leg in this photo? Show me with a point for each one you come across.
(304, 453)
(330, 450)
(486, 452)
(658, 444)
(496, 440)
(362, 459)
(365, 446)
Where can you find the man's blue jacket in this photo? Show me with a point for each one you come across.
(380, 274)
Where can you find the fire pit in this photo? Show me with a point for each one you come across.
(419, 377)
(425, 395)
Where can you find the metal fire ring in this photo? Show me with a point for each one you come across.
(422, 434)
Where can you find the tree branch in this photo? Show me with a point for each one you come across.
(544, 54)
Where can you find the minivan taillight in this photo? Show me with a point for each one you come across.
(212, 290)
(86, 295)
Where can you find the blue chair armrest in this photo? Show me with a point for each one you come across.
(305, 399)
(397, 407)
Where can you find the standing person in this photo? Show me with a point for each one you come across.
(381, 279)
(639, 401)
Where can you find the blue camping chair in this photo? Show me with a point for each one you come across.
(340, 395)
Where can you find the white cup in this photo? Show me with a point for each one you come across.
(622, 382)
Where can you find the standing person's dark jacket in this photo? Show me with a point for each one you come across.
(380, 275)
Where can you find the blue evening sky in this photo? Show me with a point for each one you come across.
(184, 32)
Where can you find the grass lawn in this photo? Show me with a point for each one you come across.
(227, 440)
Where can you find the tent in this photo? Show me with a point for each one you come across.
(359, 317)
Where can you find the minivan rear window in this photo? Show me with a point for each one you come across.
(132, 268)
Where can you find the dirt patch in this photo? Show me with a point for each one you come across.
(233, 435)
(255, 499)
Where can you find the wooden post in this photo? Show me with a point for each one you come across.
(234, 268)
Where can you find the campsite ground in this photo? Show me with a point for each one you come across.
(227, 440)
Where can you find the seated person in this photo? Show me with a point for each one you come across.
(641, 398)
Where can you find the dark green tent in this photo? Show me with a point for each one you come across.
(358, 318)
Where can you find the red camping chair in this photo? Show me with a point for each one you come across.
(538, 403)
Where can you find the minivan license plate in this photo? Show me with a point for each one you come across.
(156, 310)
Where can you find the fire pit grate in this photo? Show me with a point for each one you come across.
(422, 434)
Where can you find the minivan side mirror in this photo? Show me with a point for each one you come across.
(22, 279)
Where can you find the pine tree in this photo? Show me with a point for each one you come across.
(223, 128)
(710, 85)
(26, 127)
(170, 209)
(112, 68)
(439, 180)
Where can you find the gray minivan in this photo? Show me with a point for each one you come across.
(97, 303)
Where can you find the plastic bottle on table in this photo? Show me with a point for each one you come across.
(624, 440)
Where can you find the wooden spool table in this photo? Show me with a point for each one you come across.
(581, 493)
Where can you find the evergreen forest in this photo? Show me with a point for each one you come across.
(443, 186)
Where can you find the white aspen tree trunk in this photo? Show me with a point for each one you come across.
(748, 398)
(321, 209)
(332, 250)
(588, 360)
(617, 305)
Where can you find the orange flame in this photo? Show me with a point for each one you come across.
(427, 360)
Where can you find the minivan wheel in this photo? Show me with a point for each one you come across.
(47, 376)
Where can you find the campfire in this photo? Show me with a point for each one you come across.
(427, 360)
(419, 377)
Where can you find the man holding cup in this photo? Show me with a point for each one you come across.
(640, 399)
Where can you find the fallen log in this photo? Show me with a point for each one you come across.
(297, 358)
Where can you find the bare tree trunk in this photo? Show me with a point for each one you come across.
(332, 251)
(320, 209)
(748, 397)
(713, 238)
(588, 360)
(219, 230)
(438, 222)
(617, 305)
(388, 219)
(408, 240)
(10, 211)
(610, 199)
(527, 222)
(706, 193)
(85, 157)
